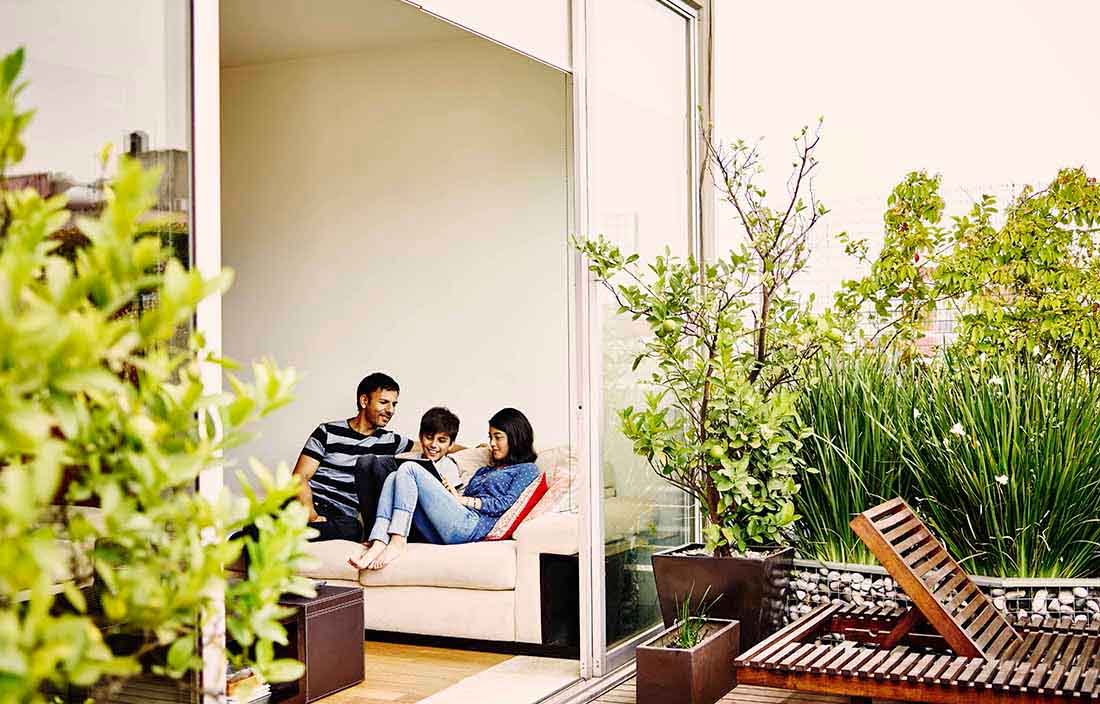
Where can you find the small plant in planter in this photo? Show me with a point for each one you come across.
(728, 345)
(690, 662)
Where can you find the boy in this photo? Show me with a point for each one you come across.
(438, 430)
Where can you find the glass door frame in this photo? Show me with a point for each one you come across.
(586, 388)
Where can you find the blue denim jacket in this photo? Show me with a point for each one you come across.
(498, 488)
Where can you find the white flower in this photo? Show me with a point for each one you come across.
(916, 413)
(957, 429)
(1001, 479)
(997, 381)
(1035, 350)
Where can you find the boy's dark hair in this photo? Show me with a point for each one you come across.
(439, 420)
(374, 382)
(521, 436)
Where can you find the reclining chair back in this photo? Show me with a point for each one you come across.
(946, 596)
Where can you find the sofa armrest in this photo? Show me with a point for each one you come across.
(554, 533)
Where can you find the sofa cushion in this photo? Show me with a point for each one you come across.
(331, 560)
(510, 519)
(490, 565)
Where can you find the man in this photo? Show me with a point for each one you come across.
(327, 465)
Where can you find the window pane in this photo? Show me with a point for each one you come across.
(114, 73)
(639, 113)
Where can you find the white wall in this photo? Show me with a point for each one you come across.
(403, 211)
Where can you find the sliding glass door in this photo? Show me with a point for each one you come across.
(641, 131)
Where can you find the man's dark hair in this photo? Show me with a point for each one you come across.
(439, 420)
(521, 436)
(374, 382)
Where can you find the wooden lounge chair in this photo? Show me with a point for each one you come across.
(952, 646)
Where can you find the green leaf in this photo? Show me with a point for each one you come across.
(284, 670)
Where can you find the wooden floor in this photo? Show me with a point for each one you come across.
(742, 694)
(404, 674)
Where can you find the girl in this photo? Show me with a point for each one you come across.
(412, 495)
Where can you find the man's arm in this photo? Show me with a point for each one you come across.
(305, 468)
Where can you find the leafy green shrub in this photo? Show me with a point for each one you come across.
(1024, 280)
(729, 340)
(91, 390)
(1001, 457)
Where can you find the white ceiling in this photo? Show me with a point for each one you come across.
(263, 31)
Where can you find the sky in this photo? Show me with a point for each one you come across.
(989, 94)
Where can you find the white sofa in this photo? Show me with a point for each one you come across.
(483, 591)
(486, 590)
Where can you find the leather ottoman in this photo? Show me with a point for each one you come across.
(326, 633)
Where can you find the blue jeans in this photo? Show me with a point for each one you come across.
(413, 495)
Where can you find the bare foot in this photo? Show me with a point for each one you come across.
(391, 553)
(363, 559)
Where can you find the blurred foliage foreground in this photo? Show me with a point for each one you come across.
(96, 408)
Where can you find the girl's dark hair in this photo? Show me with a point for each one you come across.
(439, 420)
(521, 436)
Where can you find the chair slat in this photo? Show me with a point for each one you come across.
(967, 676)
(933, 579)
(987, 673)
(920, 668)
(884, 508)
(985, 616)
(799, 654)
(936, 668)
(1010, 663)
(841, 664)
(966, 594)
(922, 552)
(950, 676)
(998, 647)
(821, 664)
(915, 539)
(820, 653)
(855, 666)
(907, 663)
(1040, 650)
(911, 524)
(964, 615)
(896, 655)
(1057, 674)
(888, 521)
(1020, 675)
(868, 667)
(777, 657)
(1084, 660)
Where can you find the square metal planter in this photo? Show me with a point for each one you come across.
(699, 675)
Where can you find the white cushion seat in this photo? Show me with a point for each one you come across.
(485, 565)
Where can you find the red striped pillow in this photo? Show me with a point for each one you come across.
(510, 519)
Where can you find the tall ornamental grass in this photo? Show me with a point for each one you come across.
(854, 448)
(1001, 458)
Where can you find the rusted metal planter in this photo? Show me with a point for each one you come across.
(752, 588)
(699, 675)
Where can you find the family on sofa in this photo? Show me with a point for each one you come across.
(357, 467)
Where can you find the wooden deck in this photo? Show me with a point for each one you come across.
(742, 694)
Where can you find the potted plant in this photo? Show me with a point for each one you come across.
(688, 663)
(729, 340)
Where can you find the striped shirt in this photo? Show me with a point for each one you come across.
(338, 446)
